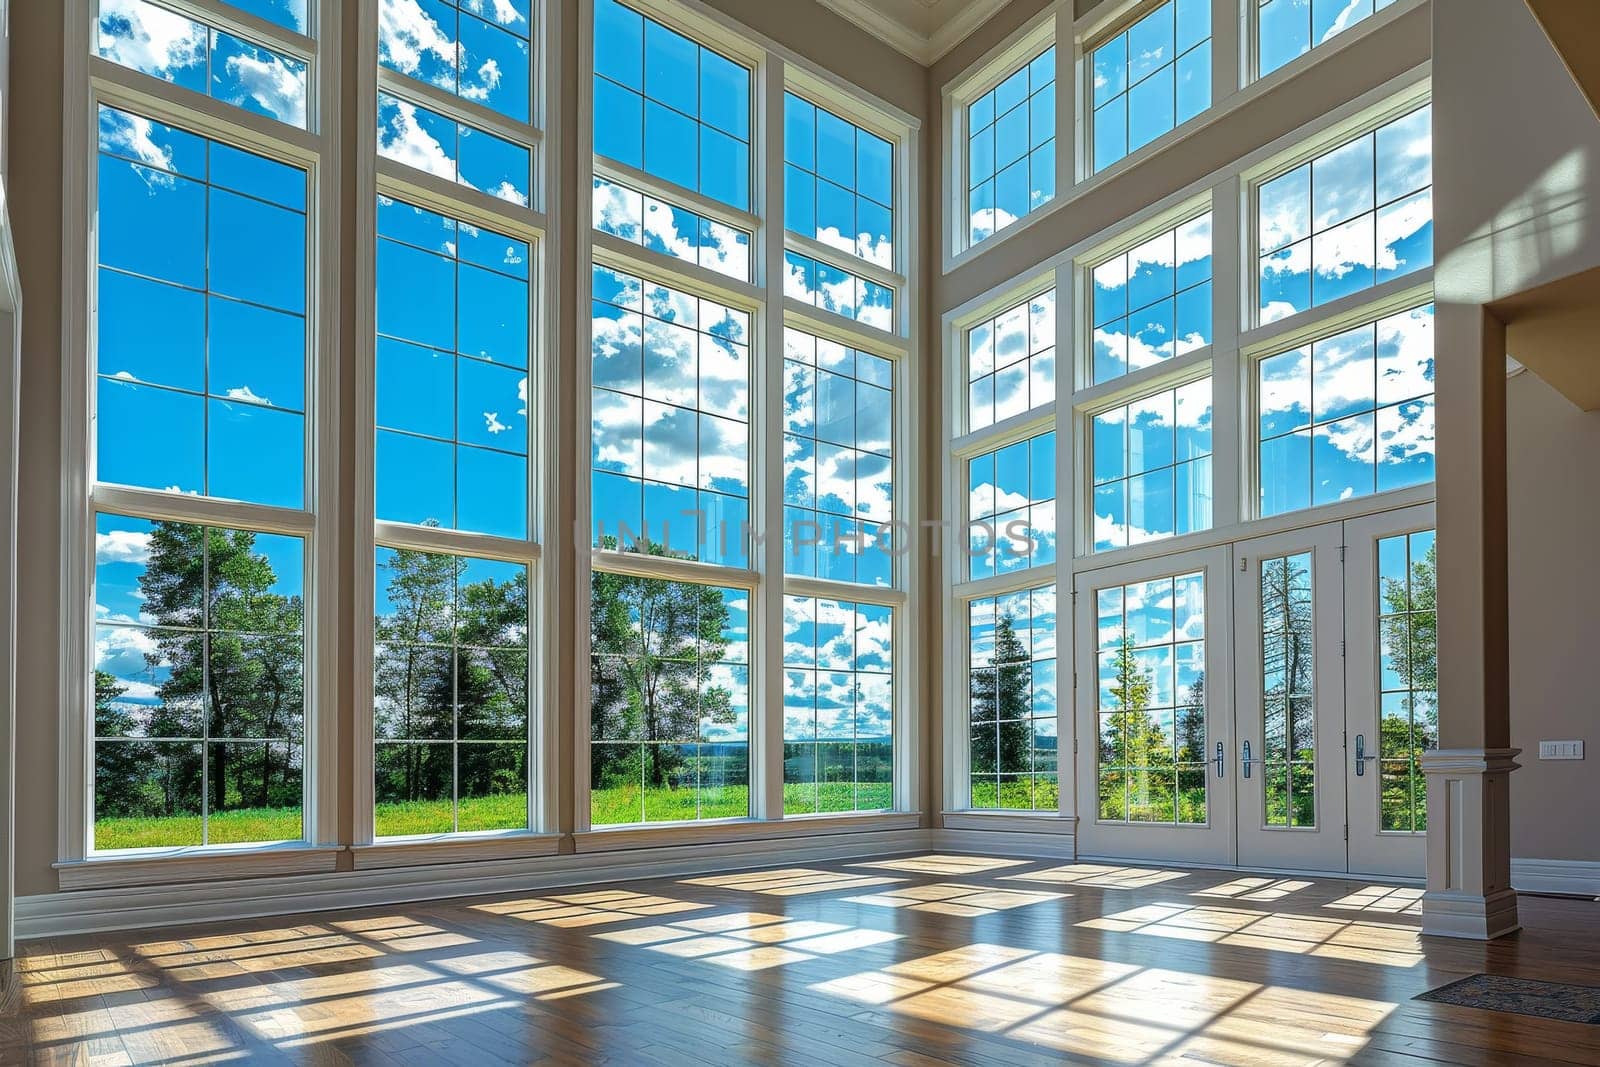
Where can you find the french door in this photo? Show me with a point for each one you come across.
(1262, 704)
(1153, 703)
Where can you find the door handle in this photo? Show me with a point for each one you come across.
(1361, 755)
(1221, 756)
(1245, 760)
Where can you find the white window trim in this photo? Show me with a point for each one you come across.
(774, 69)
(1249, 21)
(89, 81)
(377, 176)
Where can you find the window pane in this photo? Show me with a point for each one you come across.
(1151, 460)
(1014, 701)
(1011, 362)
(201, 292)
(670, 230)
(452, 382)
(1409, 680)
(833, 289)
(199, 661)
(1012, 507)
(454, 151)
(1367, 209)
(1152, 302)
(1011, 148)
(475, 50)
(1288, 29)
(1149, 78)
(841, 180)
(669, 700)
(450, 693)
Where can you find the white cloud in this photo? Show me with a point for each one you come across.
(150, 39)
(407, 36)
(492, 423)
(122, 546)
(131, 135)
(277, 86)
(245, 395)
(403, 140)
(488, 81)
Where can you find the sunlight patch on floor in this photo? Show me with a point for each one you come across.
(935, 864)
(1302, 935)
(1099, 876)
(790, 882)
(946, 898)
(569, 910)
(1393, 899)
(749, 941)
(1259, 889)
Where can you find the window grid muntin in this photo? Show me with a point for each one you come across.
(1037, 362)
(1039, 77)
(460, 652)
(870, 303)
(393, 101)
(201, 626)
(1288, 708)
(1285, 249)
(1123, 636)
(994, 544)
(725, 543)
(1103, 110)
(1192, 287)
(1191, 465)
(881, 254)
(1038, 656)
(804, 664)
(519, 108)
(734, 658)
(1261, 7)
(1416, 408)
(711, 234)
(1400, 699)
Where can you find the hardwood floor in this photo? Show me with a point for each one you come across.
(912, 960)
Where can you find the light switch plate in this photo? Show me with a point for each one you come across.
(1560, 749)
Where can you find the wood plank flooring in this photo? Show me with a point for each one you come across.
(914, 960)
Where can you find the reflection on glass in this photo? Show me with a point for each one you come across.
(452, 378)
(1290, 28)
(454, 151)
(199, 684)
(838, 182)
(1151, 701)
(669, 701)
(201, 316)
(834, 289)
(838, 464)
(1153, 302)
(1151, 460)
(838, 706)
(671, 107)
(1011, 362)
(475, 49)
(1356, 216)
(1408, 677)
(1349, 415)
(1288, 692)
(670, 410)
(1152, 76)
(1011, 507)
(671, 230)
(202, 59)
(1011, 148)
(1012, 678)
(450, 694)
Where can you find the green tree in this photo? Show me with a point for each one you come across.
(1001, 713)
(1409, 632)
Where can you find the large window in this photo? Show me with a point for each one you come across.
(1013, 754)
(1356, 216)
(1408, 639)
(1150, 701)
(1152, 467)
(669, 701)
(670, 409)
(842, 292)
(1149, 78)
(468, 48)
(670, 230)
(202, 324)
(838, 706)
(1012, 507)
(1011, 362)
(411, 134)
(450, 693)
(838, 464)
(838, 182)
(1011, 148)
(1152, 302)
(1286, 29)
(199, 684)
(669, 106)
(1349, 415)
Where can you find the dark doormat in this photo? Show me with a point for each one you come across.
(1521, 996)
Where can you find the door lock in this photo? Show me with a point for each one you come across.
(1361, 755)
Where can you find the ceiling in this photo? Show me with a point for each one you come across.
(922, 29)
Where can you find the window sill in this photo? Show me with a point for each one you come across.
(1043, 822)
(175, 866)
(629, 837)
(453, 848)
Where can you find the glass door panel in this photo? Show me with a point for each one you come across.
(1289, 624)
(1392, 675)
(1153, 695)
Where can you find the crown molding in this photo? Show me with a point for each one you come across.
(926, 47)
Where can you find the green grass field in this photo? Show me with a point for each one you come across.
(506, 811)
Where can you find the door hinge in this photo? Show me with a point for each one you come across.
(1344, 648)
(1074, 746)
(1347, 831)
(1244, 564)
(1341, 553)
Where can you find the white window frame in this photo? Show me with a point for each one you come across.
(774, 69)
(1249, 22)
(90, 82)
(377, 176)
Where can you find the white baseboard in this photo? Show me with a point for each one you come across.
(1005, 843)
(1580, 878)
(98, 910)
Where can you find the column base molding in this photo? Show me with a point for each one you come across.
(1469, 844)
